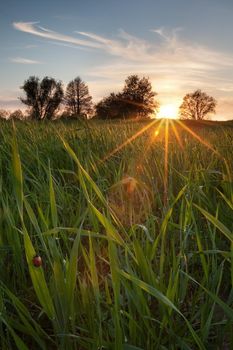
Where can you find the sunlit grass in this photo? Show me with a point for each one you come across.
(133, 222)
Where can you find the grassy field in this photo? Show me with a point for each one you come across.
(134, 226)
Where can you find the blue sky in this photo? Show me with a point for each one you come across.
(181, 45)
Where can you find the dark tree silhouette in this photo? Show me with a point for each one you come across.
(137, 100)
(42, 97)
(197, 106)
(139, 97)
(111, 107)
(77, 99)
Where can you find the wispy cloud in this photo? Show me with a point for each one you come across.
(175, 65)
(170, 51)
(22, 60)
(35, 29)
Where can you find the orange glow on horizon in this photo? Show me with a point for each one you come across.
(168, 111)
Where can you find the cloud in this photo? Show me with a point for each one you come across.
(175, 66)
(126, 46)
(170, 51)
(22, 60)
(33, 28)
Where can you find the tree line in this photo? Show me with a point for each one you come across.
(46, 99)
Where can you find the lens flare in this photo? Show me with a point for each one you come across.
(169, 111)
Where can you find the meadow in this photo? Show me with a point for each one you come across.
(133, 222)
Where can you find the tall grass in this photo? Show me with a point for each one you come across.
(129, 260)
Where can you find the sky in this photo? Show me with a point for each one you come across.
(182, 45)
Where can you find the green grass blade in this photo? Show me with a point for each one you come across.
(222, 228)
(163, 299)
(38, 279)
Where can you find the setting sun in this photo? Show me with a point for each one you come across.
(168, 111)
(116, 175)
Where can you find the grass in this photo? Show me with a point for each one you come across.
(136, 240)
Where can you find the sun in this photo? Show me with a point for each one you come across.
(169, 111)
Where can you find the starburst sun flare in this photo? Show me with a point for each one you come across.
(169, 111)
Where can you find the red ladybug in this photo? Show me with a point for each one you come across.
(37, 261)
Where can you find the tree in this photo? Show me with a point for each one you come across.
(139, 97)
(110, 107)
(17, 114)
(137, 100)
(197, 106)
(42, 97)
(77, 98)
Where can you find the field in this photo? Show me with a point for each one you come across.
(133, 223)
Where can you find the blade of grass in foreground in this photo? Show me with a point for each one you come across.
(111, 231)
(85, 174)
(72, 274)
(163, 299)
(18, 341)
(228, 201)
(26, 319)
(116, 291)
(17, 175)
(36, 273)
(216, 223)
(227, 309)
(38, 278)
(52, 200)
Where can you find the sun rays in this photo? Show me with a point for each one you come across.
(161, 131)
(129, 140)
(169, 111)
(166, 150)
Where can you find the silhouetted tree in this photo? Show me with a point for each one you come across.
(42, 97)
(139, 97)
(111, 107)
(77, 98)
(197, 105)
(17, 114)
(137, 100)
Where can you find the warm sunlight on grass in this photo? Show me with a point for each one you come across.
(168, 111)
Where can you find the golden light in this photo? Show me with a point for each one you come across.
(169, 111)
(162, 128)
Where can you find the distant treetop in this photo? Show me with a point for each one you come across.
(197, 106)
(136, 100)
(42, 97)
(77, 99)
